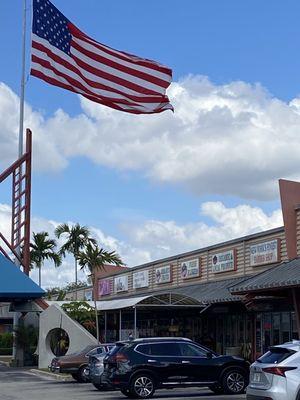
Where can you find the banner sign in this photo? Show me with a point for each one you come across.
(223, 262)
(264, 253)
(104, 287)
(121, 283)
(190, 269)
(163, 274)
(140, 279)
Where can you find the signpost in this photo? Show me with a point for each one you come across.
(163, 274)
(140, 279)
(190, 269)
(223, 262)
(265, 253)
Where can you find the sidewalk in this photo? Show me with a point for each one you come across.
(51, 375)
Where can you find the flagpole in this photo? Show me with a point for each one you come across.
(20, 153)
(22, 94)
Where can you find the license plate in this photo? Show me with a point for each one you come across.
(256, 377)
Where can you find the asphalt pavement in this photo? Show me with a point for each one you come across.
(22, 384)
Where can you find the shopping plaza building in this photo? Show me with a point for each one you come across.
(237, 297)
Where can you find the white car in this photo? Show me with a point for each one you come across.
(276, 374)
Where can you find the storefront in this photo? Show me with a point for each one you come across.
(246, 289)
(274, 297)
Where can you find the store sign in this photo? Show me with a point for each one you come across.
(223, 262)
(121, 283)
(163, 274)
(190, 269)
(264, 253)
(104, 287)
(140, 279)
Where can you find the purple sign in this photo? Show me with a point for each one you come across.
(104, 287)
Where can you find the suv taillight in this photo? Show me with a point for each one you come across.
(278, 370)
(119, 357)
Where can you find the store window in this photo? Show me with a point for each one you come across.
(285, 327)
(276, 329)
(294, 326)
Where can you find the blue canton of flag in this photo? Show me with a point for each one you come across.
(50, 24)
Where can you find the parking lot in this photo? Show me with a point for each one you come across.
(20, 384)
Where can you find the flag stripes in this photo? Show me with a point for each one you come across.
(66, 57)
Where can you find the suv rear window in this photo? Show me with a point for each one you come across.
(275, 355)
(116, 349)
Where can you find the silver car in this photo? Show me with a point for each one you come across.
(276, 374)
(95, 368)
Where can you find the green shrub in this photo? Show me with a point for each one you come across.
(6, 340)
(6, 351)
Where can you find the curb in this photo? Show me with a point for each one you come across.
(5, 363)
(51, 375)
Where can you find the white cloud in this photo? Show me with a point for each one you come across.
(45, 153)
(158, 239)
(232, 139)
(165, 238)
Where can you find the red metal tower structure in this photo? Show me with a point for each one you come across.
(18, 244)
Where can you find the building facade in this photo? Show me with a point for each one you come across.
(207, 306)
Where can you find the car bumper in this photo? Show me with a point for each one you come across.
(113, 381)
(271, 394)
(63, 370)
(51, 368)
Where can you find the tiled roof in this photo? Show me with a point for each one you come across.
(211, 292)
(284, 275)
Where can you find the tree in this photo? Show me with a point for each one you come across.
(42, 248)
(81, 312)
(94, 259)
(77, 237)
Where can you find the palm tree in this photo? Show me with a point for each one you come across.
(94, 259)
(77, 238)
(42, 248)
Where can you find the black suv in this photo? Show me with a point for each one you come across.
(141, 366)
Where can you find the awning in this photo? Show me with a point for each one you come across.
(284, 275)
(153, 300)
(199, 295)
(14, 284)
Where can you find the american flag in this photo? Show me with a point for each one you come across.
(64, 56)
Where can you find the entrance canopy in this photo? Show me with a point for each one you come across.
(15, 285)
(154, 300)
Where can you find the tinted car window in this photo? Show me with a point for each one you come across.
(144, 348)
(164, 349)
(189, 350)
(275, 355)
(116, 348)
(92, 352)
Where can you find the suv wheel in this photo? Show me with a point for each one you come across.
(142, 386)
(234, 381)
(98, 386)
(217, 389)
(127, 393)
(80, 376)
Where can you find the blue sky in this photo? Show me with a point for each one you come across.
(251, 41)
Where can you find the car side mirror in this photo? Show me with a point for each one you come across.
(209, 355)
